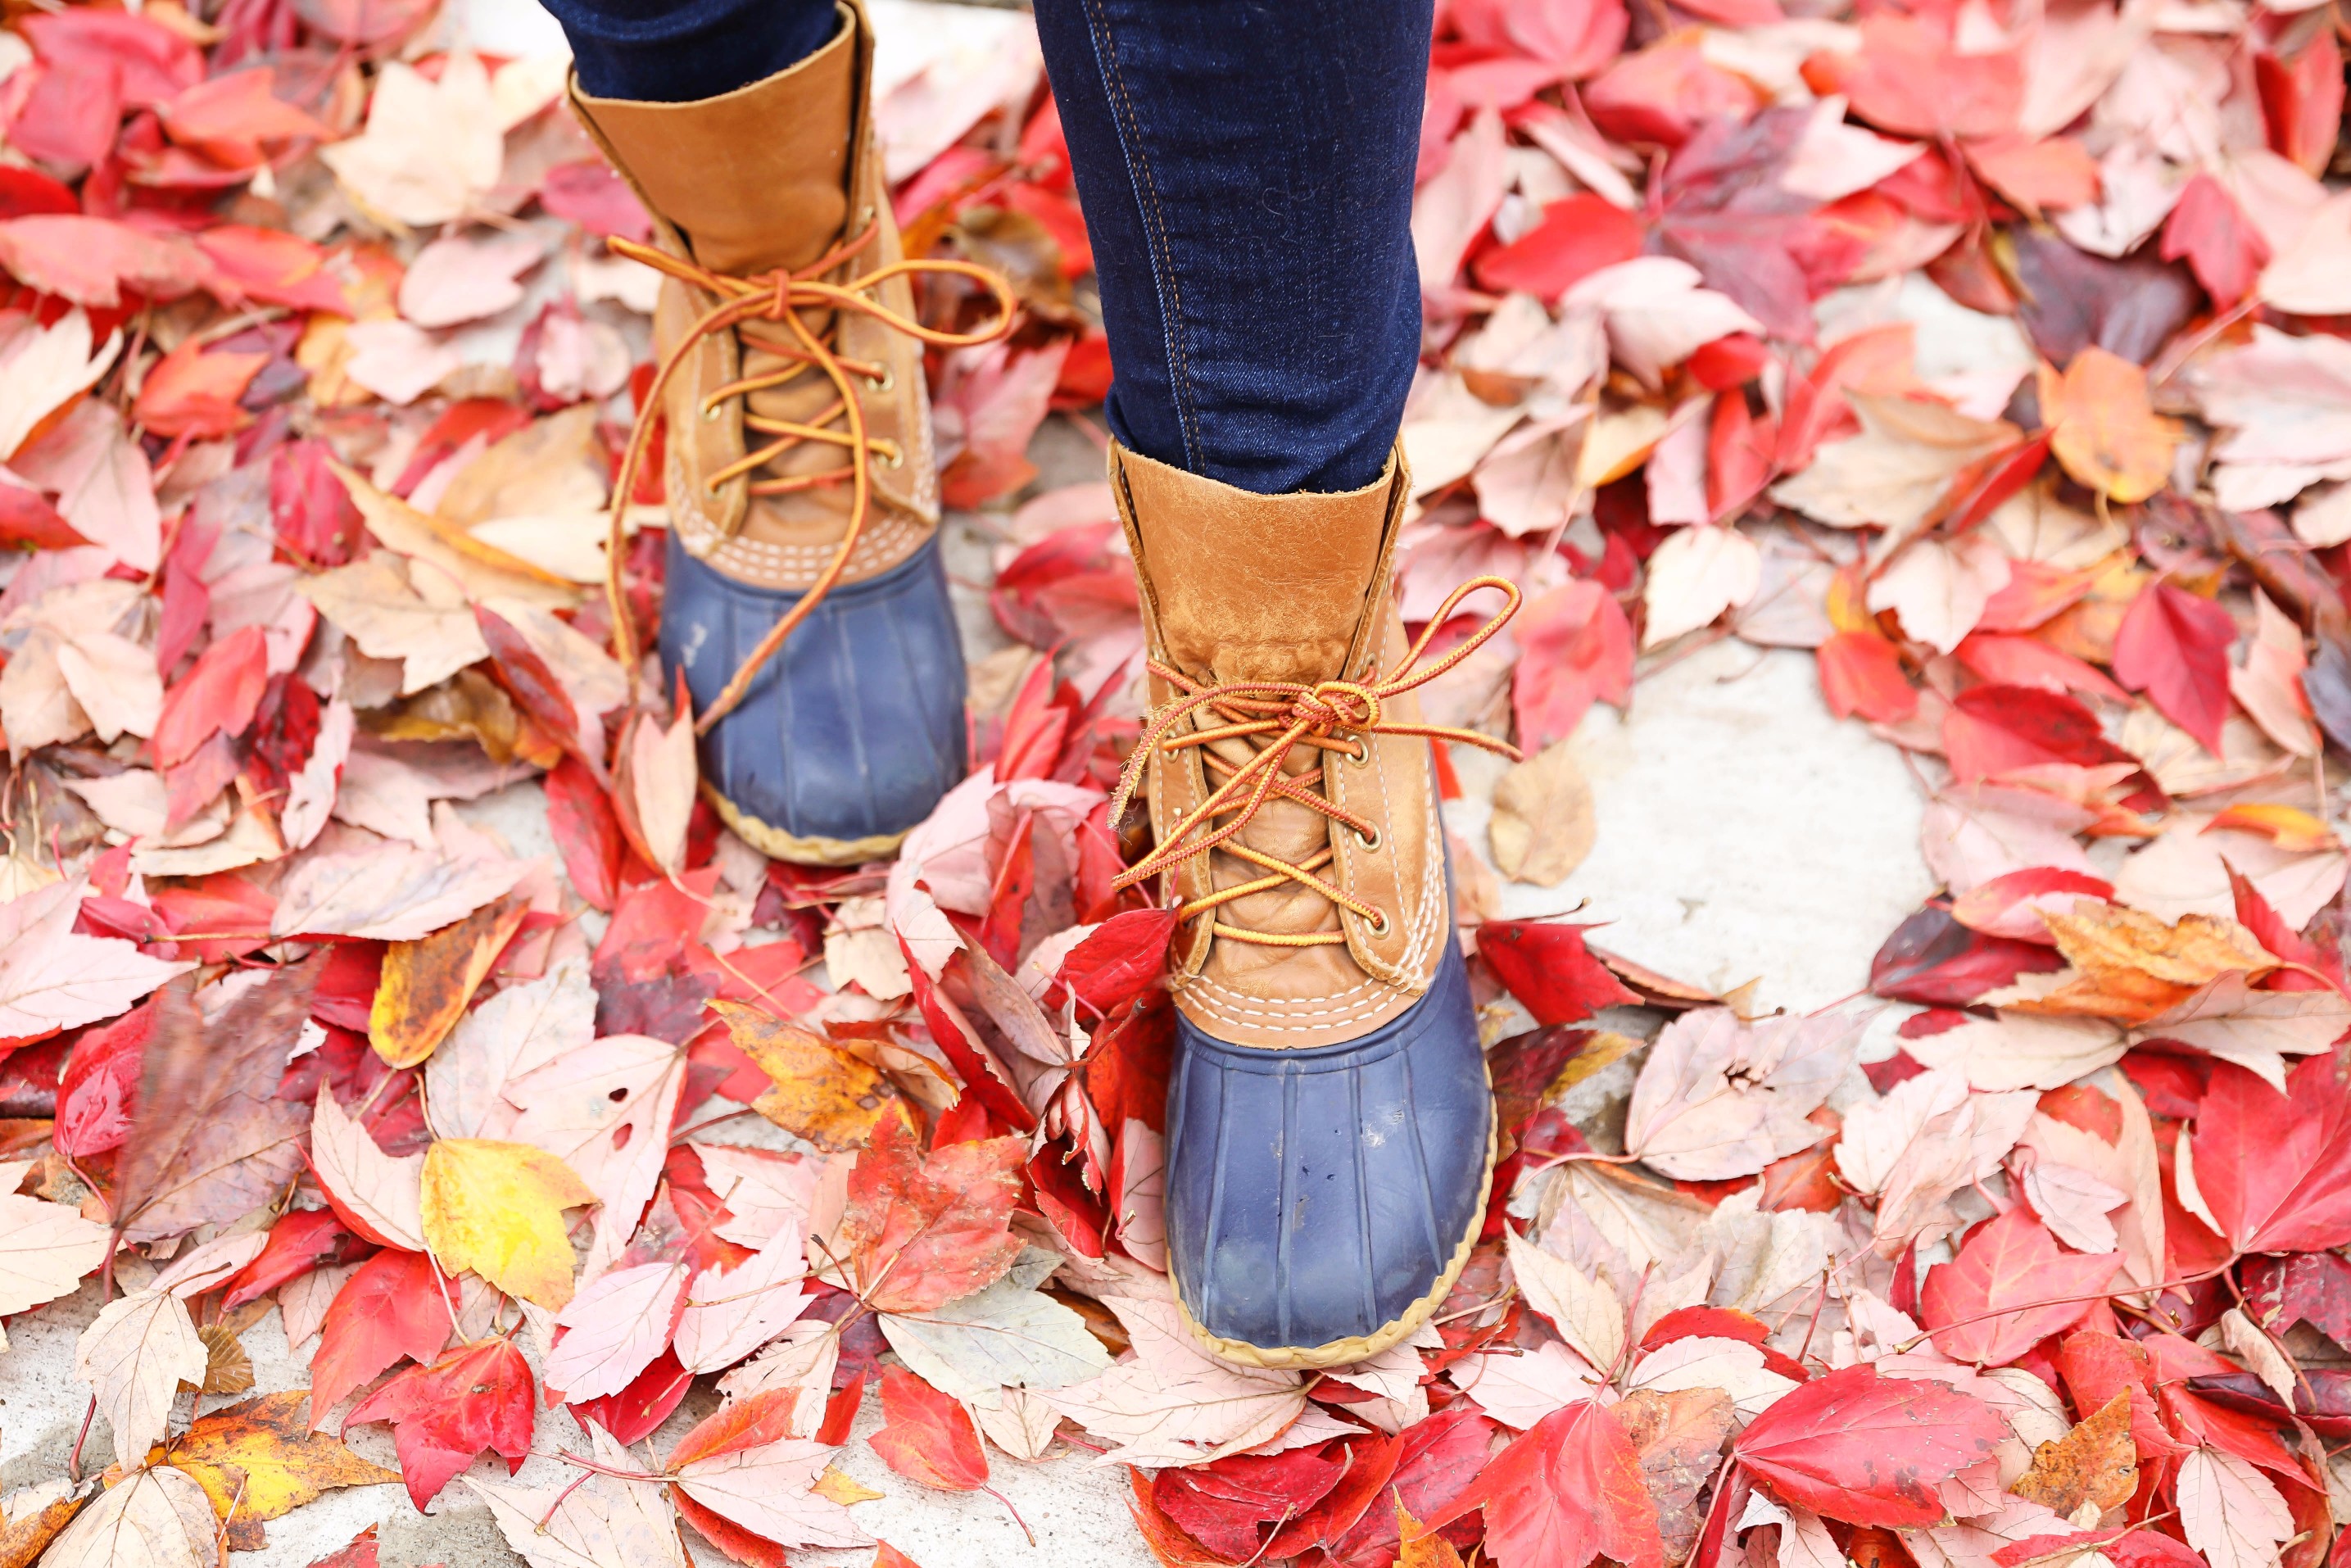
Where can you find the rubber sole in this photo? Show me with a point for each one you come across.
(778, 845)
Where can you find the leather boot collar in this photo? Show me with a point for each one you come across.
(1260, 588)
(755, 179)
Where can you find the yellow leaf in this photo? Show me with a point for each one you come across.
(839, 1489)
(262, 1458)
(821, 1092)
(497, 1208)
(2292, 830)
(2129, 966)
(2103, 427)
(427, 983)
(1419, 1547)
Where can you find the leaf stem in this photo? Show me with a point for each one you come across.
(1906, 1346)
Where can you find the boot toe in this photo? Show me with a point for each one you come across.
(1320, 1201)
(850, 732)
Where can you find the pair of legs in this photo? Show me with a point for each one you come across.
(1245, 168)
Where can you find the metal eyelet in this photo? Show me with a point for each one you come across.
(711, 411)
(897, 459)
(1380, 923)
(887, 381)
(865, 216)
(1371, 842)
(1361, 756)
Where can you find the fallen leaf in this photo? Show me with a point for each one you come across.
(2009, 1288)
(497, 1208)
(821, 1093)
(595, 1521)
(474, 1400)
(52, 977)
(431, 147)
(45, 1251)
(376, 1194)
(260, 1461)
(1569, 1489)
(1584, 1309)
(2230, 1511)
(919, 1231)
(1720, 1098)
(1171, 1402)
(614, 1327)
(1007, 1335)
(393, 1305)
(741, 1465)
(1542, 824)
(135, 1354)
(2174, 646)
(428, 982)
(2276, 1168)
(2103, 427)
(1694, 576)
(157, 1518)
(2096, 1463)
(210, 1140)
(729, 1313)
(1825, 1445)
(926, 1436)
(377, 603)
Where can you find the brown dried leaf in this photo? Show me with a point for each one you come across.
(24, 1538)
(1677, 1437)
(227, 1369)
(2131, 966)
(427, 983)
(211, 1140)
(1542, 824)
(2096, 1462)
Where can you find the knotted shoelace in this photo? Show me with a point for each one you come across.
(766, 300)
(1273, 718)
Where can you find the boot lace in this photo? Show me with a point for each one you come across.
(1271, 718)
(754, 308)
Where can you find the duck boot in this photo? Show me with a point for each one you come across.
(1330, 1124)
(805, 601)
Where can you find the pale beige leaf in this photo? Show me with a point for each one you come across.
(2022, 1051)
(1171, 1402)
(54, 978)
(1520, 1387)
(36, 707)
(2268, 684)
(310, 794)
(114, 680)
(1974, 833)
(378, 606)
(1008, 1335)
(1696, 575)
(517, 1031)
(604, 1523)
(396, 893)
(763, 1190)
(1581, 1307)
(46, 1252)
(662, 783)
(613, 1328)
(1734, 1366)
(2260, 1354)
(157, 1518)
(1896, 470)
(1939, 587)
(2230, 1511)
(1544, 822)
(2074, 1205)
(772, 1490)
(465, 276)
(728, 1315)
(1022, 1425)
(1876, 1132)
(1658, 313)
(1720, 1098)
(41, 367)
(383, 1192)
(431, 149)
(135, 1354)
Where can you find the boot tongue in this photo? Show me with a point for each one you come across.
(1254, 588)
(756, 179)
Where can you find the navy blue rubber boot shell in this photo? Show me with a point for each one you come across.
(851, 732)
(1320, 1202)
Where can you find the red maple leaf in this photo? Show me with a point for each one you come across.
(2012, 1261)
(1570, 1489)
(922, 1231)
(2174, 646)
(444, 1416)
(1545, 965)
(926, 1436)
(2275, 1169)
(392, 1308)
(1868, 1450)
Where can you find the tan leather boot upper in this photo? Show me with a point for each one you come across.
(1242, 587)
(778, 175)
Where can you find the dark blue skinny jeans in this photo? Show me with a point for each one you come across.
(1246, 170)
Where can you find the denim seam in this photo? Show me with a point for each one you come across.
(1163, 258)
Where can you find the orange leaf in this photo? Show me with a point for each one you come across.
(2103, 427)
(926, 1436)
(2096, 1462)
(427, 983)
(190, 393)
(2292, 830)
